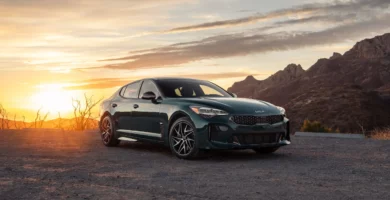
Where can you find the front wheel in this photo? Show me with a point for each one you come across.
(266, 150)
(108, 132)
(182, 139)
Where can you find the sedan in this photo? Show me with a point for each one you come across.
(191, 116)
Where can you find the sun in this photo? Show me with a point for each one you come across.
(52, 98)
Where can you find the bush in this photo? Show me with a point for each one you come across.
(315, 126)
(380, 133)
(82, 113)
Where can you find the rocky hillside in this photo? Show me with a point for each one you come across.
(247, 87)
(348, 92)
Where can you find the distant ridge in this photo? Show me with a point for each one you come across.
(350, 92)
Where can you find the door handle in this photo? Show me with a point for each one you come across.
(114, 105)
(135, 106)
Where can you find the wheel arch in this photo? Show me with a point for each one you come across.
(174, 117)
(194, 152)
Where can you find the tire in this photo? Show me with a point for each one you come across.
(266, 150)
(183, 139)
(108, 132)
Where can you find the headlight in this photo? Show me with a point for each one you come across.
(207, 112)
(282, 110)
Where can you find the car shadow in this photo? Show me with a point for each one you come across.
(209, 155)
(146, 147)
(226, 155)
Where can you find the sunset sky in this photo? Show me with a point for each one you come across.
(52, 51)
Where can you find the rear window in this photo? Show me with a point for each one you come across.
(131, 90)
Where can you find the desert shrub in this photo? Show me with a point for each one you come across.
(82, 113)
(315, 126)
(380, 133)
(39, 119)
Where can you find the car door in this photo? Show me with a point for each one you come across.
(146, 114)
(123, 106)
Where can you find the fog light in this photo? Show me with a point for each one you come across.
(223, 128)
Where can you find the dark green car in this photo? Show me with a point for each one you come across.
(190, 116)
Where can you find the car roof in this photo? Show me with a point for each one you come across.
(165, 78)
(171, 78)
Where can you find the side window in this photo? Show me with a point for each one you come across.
(185, 91)
(148, 86)
(131, 90)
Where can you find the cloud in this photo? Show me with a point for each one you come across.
(241, 44)
(318, 8)
(87, 29)
(26, 19)
(98, 85)
(240, 21)
(320, 18)
(104, 83)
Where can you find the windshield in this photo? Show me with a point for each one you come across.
(177, 88)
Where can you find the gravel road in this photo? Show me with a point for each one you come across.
(75, 165)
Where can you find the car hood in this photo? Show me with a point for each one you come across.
(235, 105)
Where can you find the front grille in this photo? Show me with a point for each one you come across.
(244, 139)
(252, 120)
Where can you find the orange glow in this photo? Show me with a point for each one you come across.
(52, 98)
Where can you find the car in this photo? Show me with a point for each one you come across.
(191, 116)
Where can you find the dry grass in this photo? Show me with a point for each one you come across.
(83, 118)
(381, 134)
(316, 126)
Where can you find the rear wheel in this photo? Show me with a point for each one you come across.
(182, 139)
(108, 132)
(266, 150)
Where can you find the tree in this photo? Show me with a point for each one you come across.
(15, 123)
(59, 123)
(4, 122)
(24, 121)
(38, 122)
(82, 112)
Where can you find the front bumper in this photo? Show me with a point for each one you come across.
(225, 134)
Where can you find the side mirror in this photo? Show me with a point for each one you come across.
(234, 95)
(149, 96)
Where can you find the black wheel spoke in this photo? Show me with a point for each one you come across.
(181, 147)
(177, 142)
(189, 133)
(189, 144)
(182, 138)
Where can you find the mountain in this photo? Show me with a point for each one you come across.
(347, 92)
(250, 85)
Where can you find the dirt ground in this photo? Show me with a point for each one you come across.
(75, 165)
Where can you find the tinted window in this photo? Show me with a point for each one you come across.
(148, 86)
(131, 90)
(177, 88)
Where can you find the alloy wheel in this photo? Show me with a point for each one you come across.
(183, 138)
(106, 130)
